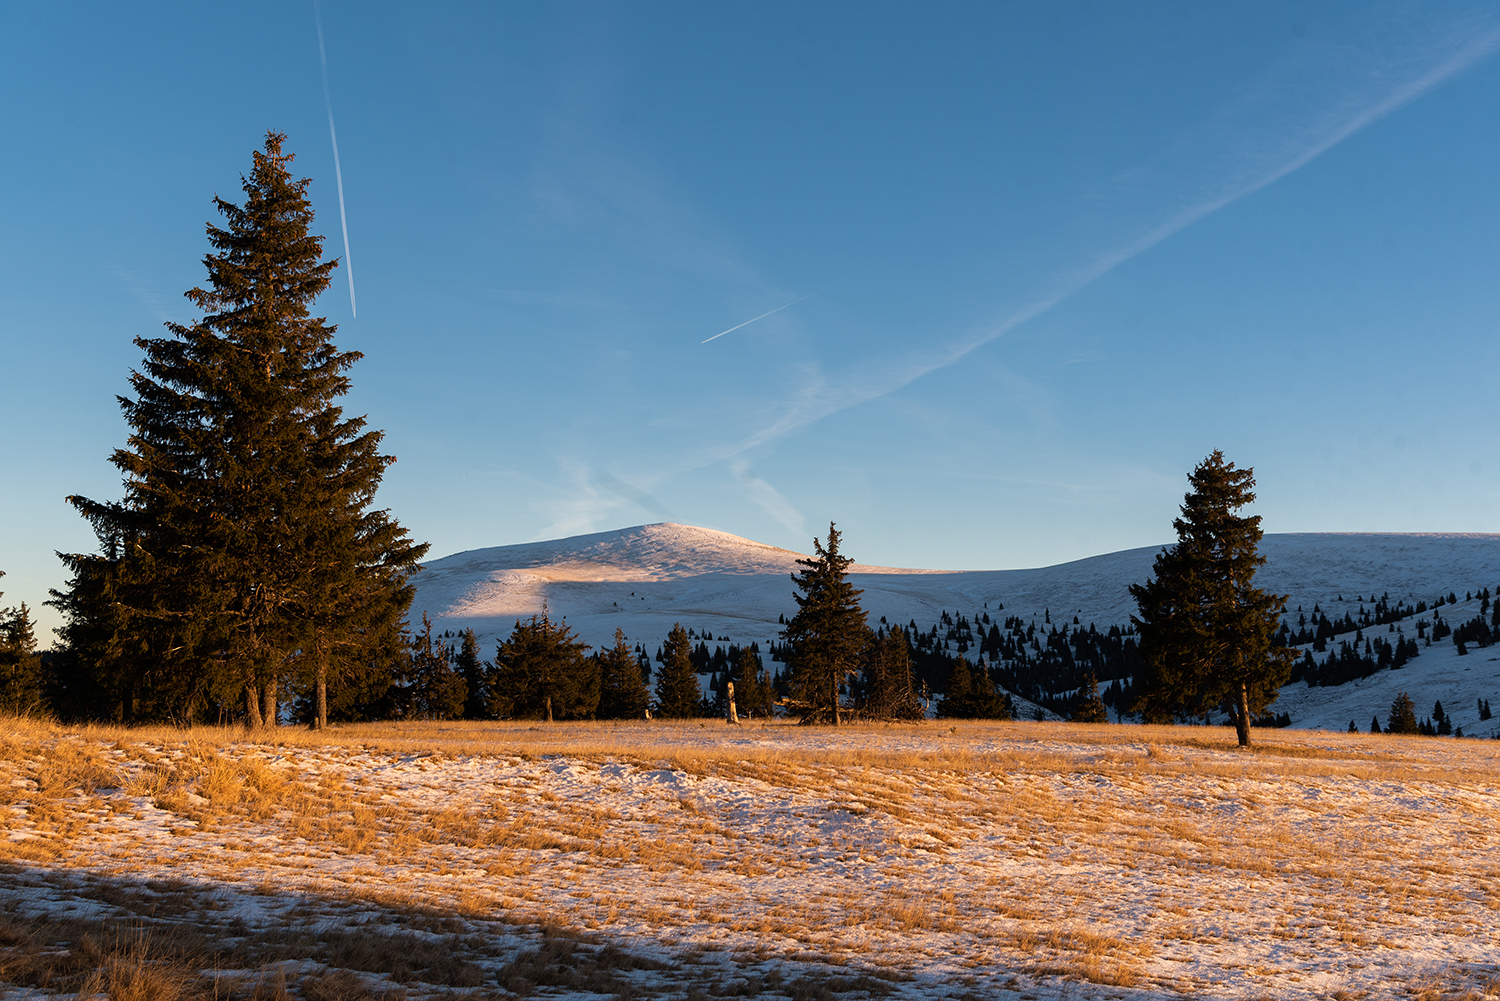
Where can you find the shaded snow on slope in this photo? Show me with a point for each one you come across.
(644, 579)
(1439, 673)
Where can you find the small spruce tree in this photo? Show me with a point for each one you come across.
(622, 690)
(472, 670)
(540, 672)
(432, 689)
(677, 693)
(20, 664)
(887, 691)
(1090, 707)
(752, 684)
(1403, 716)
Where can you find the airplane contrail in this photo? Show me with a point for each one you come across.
(1295, 111)
(762, 316)
(338, 172)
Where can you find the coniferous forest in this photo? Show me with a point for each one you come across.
(247, 576)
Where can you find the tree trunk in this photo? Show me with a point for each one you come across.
(1242, 718)
(268, 704)
(252, 708)
(730, 713)
(549, 709)
(322, 695)
(833, 688)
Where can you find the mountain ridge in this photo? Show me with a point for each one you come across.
(645, 579)
(682, 571)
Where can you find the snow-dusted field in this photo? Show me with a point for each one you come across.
(928, 861)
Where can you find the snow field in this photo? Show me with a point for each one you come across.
(937, 860)
(644, 579)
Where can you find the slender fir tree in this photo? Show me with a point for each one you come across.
(1205, 629)
(622, 689)
(245, 555)
(471, 669)
(20, 664)
(827, 634)
(677, 693)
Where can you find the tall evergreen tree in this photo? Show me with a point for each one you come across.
(245, 553)
(827, 634)
(540, 672)
(677, 693)
(622, 689)
(1205, 629)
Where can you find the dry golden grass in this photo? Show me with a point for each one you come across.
(1125, 857)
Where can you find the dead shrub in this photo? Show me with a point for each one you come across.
(403, 957)
(342, 985)
(563, 961)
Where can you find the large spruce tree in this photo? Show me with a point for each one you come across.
(245, 556)
(1205, 629)
(828, 633)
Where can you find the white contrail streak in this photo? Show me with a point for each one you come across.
(338, 173)
(762, 316)
(1293, 113)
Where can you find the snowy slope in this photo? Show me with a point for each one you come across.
(644, 579)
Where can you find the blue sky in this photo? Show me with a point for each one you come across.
(1051, 254)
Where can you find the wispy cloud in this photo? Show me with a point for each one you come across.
(768, 498)
(635, 495)
(1318, 93)
(157, 303)
(581, 506)
(593, 497)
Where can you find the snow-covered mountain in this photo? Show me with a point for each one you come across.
(644, 579)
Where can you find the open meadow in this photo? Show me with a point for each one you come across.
(653, 860)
